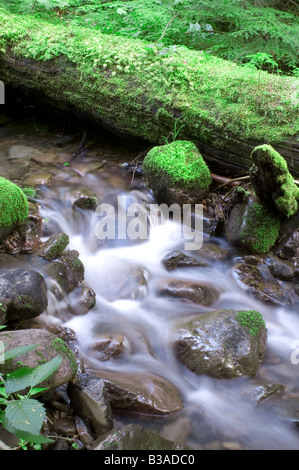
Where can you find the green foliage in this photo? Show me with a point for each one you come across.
(21, 414)
(262, 33)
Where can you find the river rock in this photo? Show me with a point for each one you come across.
(81, 300)
(124, 282)
(89, 398)
(134, 437)
(23, 294)
(189, 291)
(37, 179)
(86, 199)
(177, 259)
(141, 393)
(281, 269)
(255, 277)
(223, 343)
(67, 271)
(54, 246)
(252, 226)
(48, 347)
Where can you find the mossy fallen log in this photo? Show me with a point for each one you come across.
(139, 89)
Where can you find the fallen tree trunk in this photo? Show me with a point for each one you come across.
(135, 88)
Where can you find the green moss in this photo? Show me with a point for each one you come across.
(251, 319)
(261, 227)
(13, 204)
(61, 347)
(179, 162)
(119, 79)
(280, 186)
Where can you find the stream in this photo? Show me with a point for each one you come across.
(217, 413)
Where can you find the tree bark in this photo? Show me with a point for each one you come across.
(130, 88)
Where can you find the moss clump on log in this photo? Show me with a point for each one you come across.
(272, 180)
(176, 166)
(13, 206)
(130, 87)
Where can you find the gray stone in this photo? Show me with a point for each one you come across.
(23, 294)
(135, 437)
(220, 345)
(89, 398)
(142, 393)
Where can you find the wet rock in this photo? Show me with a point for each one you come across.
(211, 251)
(223, 343)
(89, 398)
(258, 281)
(135, 437)
(177, 259)
(290, 249)
(48, 347)
(67, 271)
(124, 282)
(141, 393)
(86, 199)
(63, 426)
(281, 269)
(84, 431)
(286, 409)
(37, 179)
(106, 347)
(23, 294)
(189, 291)
(252, 226)
(21, 151)
(82, 299)
(54, 247)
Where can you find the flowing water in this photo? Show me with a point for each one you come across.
(216, 413)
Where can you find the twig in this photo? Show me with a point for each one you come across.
(169, 22)
(232, 181)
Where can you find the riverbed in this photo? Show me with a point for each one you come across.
(216, 413)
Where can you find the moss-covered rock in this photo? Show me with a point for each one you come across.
(223, 343)
(54, 247)
(13, 207)
(272, 180)
(176, 172)
(252, 226)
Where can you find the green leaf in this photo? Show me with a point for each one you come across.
(25, 377)
(18, 351)
(44, 371)
(34, 438)
(24, 415)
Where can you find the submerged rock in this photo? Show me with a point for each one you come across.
(189, 291)
(176, 173)
(178, 259)
(134, 437)
(255, 277)
(223, 343)
(23, 294)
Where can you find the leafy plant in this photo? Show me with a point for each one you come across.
(21, 414)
